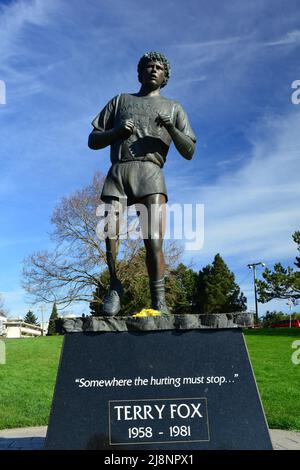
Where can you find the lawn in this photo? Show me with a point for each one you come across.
(278, 379)
(28, 377)
(27, 381)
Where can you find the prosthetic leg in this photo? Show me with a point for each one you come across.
(153, 239)
(112, 301)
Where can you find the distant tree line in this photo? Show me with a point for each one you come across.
(271, 318)
(211, 290)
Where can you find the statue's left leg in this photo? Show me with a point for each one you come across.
(153, 233)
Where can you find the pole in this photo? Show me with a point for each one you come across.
(253, 267)
(42, 316)
(255, 294)
(290, 305)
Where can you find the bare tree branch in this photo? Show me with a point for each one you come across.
(3, 310)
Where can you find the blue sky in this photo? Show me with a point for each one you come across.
(233, 64)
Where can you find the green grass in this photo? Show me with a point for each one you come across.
(27, 379)
(278, 379)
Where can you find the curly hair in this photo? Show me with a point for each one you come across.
(157, 57)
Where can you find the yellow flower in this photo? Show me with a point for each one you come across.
(147, 312)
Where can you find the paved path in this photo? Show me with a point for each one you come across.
(33, 439)
(23, 438)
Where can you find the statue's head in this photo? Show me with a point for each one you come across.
(154, 57)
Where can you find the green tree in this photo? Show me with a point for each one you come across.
(183, 285)
(217, 290)
(296, 238)
(272, 317)
(187, 292)
(52, 319)
(96, 302)
(31, 318)
(280, 283)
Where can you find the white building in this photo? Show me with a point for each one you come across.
(18, 328)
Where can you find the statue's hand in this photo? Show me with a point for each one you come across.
(164, 120)
(125, 128)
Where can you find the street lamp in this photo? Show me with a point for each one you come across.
(253, 267)
(291, 303)
(42, 309)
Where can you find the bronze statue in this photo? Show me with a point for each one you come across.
(140, 128)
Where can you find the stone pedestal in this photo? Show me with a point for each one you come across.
(172, 322)
(154, 384)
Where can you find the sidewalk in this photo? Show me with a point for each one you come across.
(23, 438)
(33, 439)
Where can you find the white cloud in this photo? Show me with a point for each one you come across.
(292, 37)
(198, 45)
(23, 66)
(15, 16)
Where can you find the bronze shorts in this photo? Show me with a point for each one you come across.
(133, 180)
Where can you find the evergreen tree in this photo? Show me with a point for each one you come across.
(31, 318)
(181, 287)
(95, 304)
(99, 294)
(183, 284)
(217, 290)
(53, 317)
(296, 238)
(281, 282)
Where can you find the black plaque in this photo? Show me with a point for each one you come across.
(157, 390)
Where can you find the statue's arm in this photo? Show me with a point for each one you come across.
(183, 143)
(101, 139)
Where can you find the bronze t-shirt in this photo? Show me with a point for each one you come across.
(149, 142)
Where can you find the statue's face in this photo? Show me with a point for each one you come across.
(153, 74)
